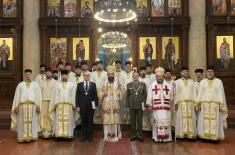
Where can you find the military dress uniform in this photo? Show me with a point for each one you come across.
(136, 95)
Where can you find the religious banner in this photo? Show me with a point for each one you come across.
(232, 7)
(142, 8)
(70, 8)
(58, 51)
(224, 52)
(53, 8)
(170, 52)
(81, 49)
(9, 8)
(174, 7)
(219, 7)
(87, 8)
(6, 54)
(147, 49)
(158, 7)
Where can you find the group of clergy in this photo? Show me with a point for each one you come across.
(149, 100)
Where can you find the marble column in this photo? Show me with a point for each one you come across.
(31, 38)
(197, 35)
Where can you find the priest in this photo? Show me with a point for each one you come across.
(25, 109)
(111, 96)
(46, 86)
(160, 98)
(199, 78)
(212, 107)
(99, 77)
(71, 74)
(185, 102)
(41, 76)
(126, 78)
(147, 112)
(62, 107)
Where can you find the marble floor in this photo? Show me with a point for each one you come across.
(75, 147)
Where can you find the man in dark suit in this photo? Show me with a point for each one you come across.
(86, 103)
(136, 95)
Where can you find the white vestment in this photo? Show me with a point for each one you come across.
(71, 76)
(111, 108)
(99, 78)
(39, 78)
(46, 86)
(62, 107)
(147, 112)
(213, 113)
(126, 78)
(185, 99)
(160, 98)
(27, 97)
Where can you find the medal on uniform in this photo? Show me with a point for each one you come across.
(136, 90)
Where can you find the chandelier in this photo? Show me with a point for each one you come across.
(114, 39)
(114, 11)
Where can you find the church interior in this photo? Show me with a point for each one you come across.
(179, 33)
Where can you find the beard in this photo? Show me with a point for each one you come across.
(142, 75)
(160, 81)
(111, 79)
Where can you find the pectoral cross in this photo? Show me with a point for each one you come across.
(166, 90)
(156, 89)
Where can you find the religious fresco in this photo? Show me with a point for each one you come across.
(174, 7)
(53, 8)
(219, 7)
(224, 53)
(109, 56)
(170, 52)
(70, 8)
(232, 7)
(147, 49)
(58, 51)
(158, 7)
(6, 54)
(81, 49)
(9, 8)
(87, 8)
(142, 8)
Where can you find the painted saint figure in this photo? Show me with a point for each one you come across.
(218, 7)
(86, 10)
(80, 51)
(225, 53)
(4, 54)
(170, 54)
(148, 52)
(141, 9)
(60, 54)
(157, 7)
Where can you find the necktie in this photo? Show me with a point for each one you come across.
(86, 86)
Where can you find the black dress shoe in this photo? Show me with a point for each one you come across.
(133, 139)
(141, 139)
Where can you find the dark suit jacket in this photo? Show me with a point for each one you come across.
(84, 101)
(134, 101)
